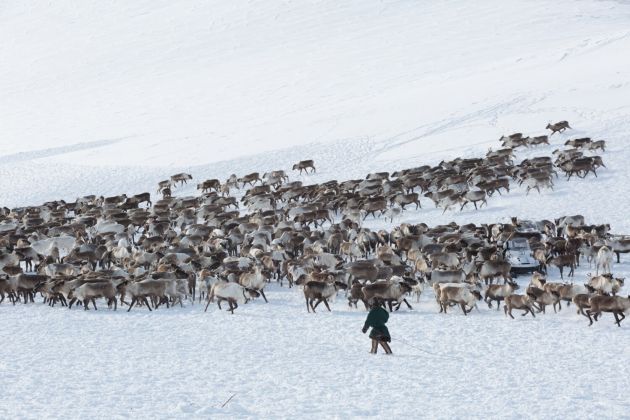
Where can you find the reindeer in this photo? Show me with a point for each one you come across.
(561, 261)
(604, 260)
(499, 292)
(250, 179)
(615, 304)
(209, 184)
(518, 302)
(558, 127)
(599, 144)
(303, 165)
(320, 291)
(476, 196)
(578, 143)
(405, 199)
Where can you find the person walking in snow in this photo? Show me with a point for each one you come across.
(377, 318)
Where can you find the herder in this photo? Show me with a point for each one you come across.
(377, 318)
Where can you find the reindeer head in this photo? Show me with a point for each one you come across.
(340, 285)
(39, 286)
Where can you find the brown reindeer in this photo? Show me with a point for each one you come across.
(599, 144)
(581, 301)
(615, 304)
(518, 302)
(320, 291)
(303, 165)
(578, 143)
(209, 184)
(250, 179)
(182, 178)
(405, 199)
(561, 261)
(166, 192)
(558, 127)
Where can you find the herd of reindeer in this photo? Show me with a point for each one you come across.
(233, 238)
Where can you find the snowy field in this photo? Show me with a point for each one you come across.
(112, 97)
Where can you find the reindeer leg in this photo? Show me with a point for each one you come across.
(405, 300)
(389, 303)
(262, 292)
(133, 302)
(314, 306)
(319, 300)
(588, 314)
(326, 303)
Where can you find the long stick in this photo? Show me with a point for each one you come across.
(228, 400)
(428, 352)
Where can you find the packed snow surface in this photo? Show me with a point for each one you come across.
(111, 97)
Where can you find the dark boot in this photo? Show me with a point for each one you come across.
(374, 346)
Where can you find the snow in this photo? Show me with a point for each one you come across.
(112, 97)
(280, 361)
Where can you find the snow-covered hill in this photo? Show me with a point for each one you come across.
(112, 97)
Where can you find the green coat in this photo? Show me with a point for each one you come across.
(377, 318)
